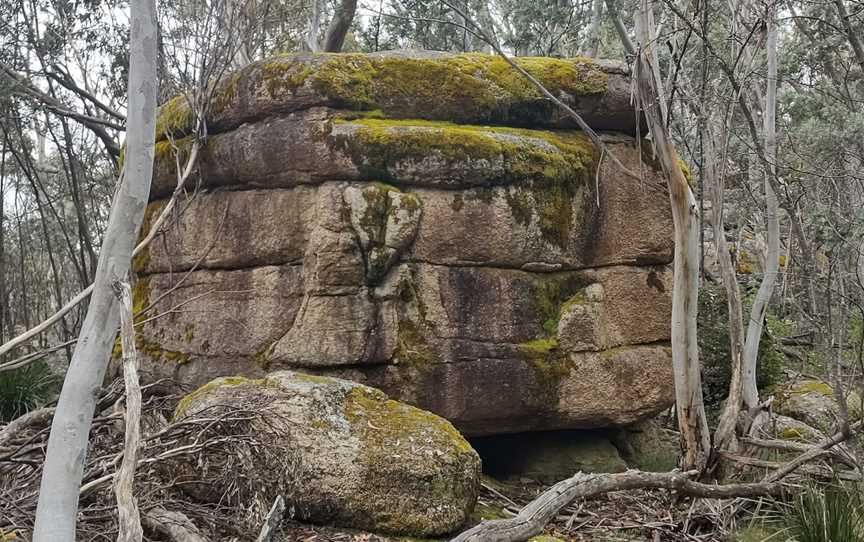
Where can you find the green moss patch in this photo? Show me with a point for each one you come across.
(486, 512)
(380, 420)
(187, 401)
(467, 87)
(174, 117)
(552, 295)
(385, 427)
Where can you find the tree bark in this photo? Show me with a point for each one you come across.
(67, 446)
(314, 23)
(127, 506)
(750, 393)
(592, 45)
(725, 436)
(339, 26)
(690, 408)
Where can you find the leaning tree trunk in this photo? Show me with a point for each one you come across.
(772, 224)
(338, 29)
(67, 446)
(695, 438)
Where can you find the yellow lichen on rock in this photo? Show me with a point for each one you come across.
(183, 406)
(378, 145)
(468, 87)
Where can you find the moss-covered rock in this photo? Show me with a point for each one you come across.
(813, 402)
(391, 148)
(365, 461)
(470, 88)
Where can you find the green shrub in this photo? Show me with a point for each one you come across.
(24, 389)
(714, 350)
(831, 514)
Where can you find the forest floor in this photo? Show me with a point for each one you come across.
(627, 516)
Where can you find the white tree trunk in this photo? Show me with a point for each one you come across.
(695, 437)
(772, 224)
(314, 25)
(127, 506)
(592, 44)
(725, 437)
(67, 446)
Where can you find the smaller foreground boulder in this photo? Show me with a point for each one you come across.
(360, 459)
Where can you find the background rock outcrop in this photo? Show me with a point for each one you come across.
(425, 224)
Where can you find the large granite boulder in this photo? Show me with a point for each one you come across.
(505, 276)
(357, 458)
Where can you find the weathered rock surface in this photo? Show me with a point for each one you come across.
(506, 278)
(648, 446)
(813, 402)
(464, 88)
(358, 459)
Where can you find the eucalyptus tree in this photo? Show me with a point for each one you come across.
(57, 510)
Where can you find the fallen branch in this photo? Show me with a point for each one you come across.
(533, 518)
(34, 417)
(838, 455)
(815, 452)
(810, 470)
(272, 521)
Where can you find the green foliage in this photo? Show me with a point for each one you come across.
(25, 389)
(831, 514)
(714, 349)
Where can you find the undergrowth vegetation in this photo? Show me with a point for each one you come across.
(826, 514)
(714, 349)
(25, 389)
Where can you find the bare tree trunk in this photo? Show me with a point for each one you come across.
(339, 26)
(485, 20)
(127, 506)
(592, 45)
(314, 24)
(690, 408)
(3, 299)
(67, 446)
(725, 436)
(772, 224)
